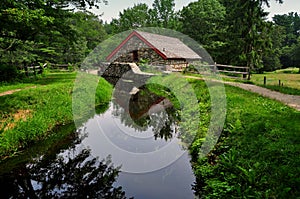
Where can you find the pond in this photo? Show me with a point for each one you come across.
(131, 149)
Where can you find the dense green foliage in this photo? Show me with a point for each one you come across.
(40, 31)
(140, 15)
(204, 22)
(134, 17)
(290, 47)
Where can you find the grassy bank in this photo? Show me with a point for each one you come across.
(31, 114)
(38, 80)
(257, 155)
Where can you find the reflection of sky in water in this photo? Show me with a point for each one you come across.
(174, 181)
(136, 155)
(152, 168)
(130, 139)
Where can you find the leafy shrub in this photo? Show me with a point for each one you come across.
(8, 73)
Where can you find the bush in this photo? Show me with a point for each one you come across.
(8, 73)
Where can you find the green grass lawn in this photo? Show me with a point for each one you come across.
(289, 79)
(40, 80)
(31, 114)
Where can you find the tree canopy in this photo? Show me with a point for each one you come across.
(39, 31)
(203, 21)
(63, 31)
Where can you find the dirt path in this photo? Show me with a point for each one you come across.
(15, 90)
(290, 100)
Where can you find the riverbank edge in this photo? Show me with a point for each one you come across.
(46, 115)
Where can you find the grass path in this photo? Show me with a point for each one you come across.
(290, 100)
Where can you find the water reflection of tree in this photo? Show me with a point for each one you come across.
(71, 174)
(165, 123)
(136, 115)
(77, 177)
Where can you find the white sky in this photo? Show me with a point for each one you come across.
(115, 6)
(286, 7)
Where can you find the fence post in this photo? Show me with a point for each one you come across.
(249, 73)
(34, 71)
(265, 80)
(215, 68)
(279, 82)
(26, 71)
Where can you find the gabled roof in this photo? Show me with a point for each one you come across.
(166, 47)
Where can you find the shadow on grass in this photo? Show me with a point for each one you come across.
(53, 78)
(44, 80)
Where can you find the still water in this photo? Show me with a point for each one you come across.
(126, 151)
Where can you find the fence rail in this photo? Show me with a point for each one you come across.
(232, 70)
(34, 70)
(228, 70)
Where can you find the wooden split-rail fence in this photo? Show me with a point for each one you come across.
(34, 70)
(232, 71)
(228, 70)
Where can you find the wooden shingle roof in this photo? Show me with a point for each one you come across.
(166, 47)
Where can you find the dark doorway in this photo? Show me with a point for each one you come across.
(135, 56)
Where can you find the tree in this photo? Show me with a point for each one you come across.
(271, 56)
(246, 35)
(295, 54)
(39, 30)
(290, 23)
(203, 21)
(140, 15)
(290, 56)
(89, 26)
(131, 18)
(163, 14)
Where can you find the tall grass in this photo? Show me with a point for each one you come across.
(257, 155)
